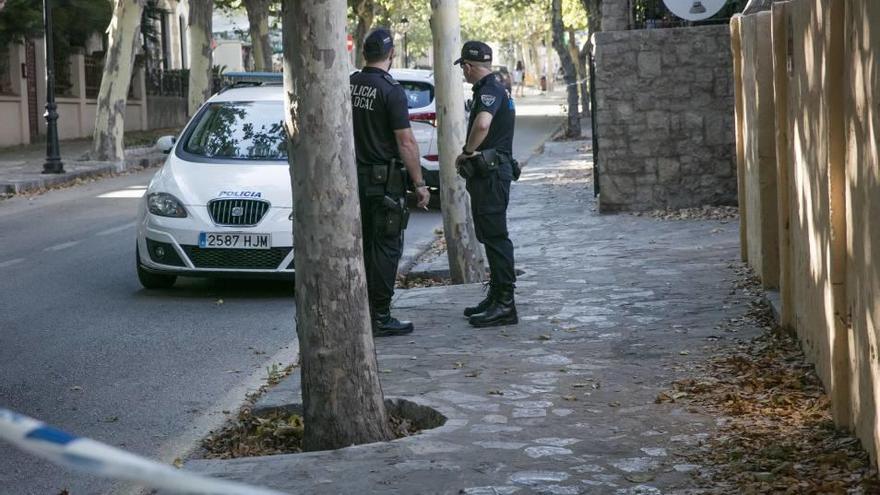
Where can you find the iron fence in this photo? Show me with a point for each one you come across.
(94, 71)
(653, 14)
(167, 82)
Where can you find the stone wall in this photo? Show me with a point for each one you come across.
(665, 118)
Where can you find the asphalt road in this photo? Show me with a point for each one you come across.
(85, 348)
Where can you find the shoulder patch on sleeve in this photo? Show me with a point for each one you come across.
(391, 80)
(487, 100)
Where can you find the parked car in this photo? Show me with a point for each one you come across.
(419, 87)
(221, 205)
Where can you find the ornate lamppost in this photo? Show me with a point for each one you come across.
(53, 164)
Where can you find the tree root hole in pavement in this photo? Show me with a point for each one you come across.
(281, 432)
(775, 434)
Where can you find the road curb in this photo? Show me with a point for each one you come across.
(407, 263)
(83, 170)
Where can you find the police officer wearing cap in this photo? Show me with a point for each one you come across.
(386, 151)
(487, 163)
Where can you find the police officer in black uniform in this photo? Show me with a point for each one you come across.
(487, 163)
(386, 150)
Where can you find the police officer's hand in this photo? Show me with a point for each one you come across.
(424, 196)
(462, 157)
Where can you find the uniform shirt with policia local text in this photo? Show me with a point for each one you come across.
(379, 107)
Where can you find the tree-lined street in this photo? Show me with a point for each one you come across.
(86, 348)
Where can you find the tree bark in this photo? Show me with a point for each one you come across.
(365, 10)
(258, 27)
(200, 53)
(122, 38)
(466, 264)
(573, 124)
(342, 397)
(593, 9)
(584, 75)
(580, 70)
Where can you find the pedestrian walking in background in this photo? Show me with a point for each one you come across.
(519, 79)
(487, 163)
(386, 150)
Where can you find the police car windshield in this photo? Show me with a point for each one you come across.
(240, 131)
(418, 94)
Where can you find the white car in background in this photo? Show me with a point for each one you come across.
(221, 205)
(419, 87)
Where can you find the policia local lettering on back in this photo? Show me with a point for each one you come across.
(386, 151)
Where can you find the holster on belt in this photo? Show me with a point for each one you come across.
(480, 165)
(383, 178)
(396, 216)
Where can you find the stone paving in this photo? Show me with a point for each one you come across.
(612, 309)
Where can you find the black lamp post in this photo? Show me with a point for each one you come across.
(405, 23)
(53, 163)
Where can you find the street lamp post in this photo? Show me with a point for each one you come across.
(405, 23)
(53, 164)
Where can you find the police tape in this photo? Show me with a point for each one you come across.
(93, 457)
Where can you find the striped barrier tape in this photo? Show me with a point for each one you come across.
(93, 457)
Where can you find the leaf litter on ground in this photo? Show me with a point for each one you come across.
(776, 433)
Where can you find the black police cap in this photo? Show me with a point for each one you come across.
(475, 51)
(379, 42)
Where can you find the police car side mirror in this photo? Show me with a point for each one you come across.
(165, 144)
(468, 105)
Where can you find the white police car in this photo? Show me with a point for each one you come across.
(221, 205)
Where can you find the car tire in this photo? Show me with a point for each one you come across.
(153, 280)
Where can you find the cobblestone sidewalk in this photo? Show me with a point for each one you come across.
(613, 309)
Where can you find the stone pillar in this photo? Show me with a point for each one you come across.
(617, 15)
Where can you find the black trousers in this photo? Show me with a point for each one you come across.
(489, 199)
(381, 254)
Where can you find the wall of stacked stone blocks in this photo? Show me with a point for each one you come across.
(665, 119)
(808, 141)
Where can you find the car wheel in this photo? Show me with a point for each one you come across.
(153, 280)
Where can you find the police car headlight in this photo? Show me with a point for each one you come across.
(165, 205)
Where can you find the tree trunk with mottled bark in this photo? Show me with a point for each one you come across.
(342, 397)
(593, 8)
(365, 10)
(258, 28)
(466, 264)
(573, 124)
(580, 70)
(200, 53)
(122, 38)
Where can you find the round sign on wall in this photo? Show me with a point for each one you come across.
(694, 10)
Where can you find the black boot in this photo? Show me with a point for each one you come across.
(482, 305)
(384, 325)
(502, 311)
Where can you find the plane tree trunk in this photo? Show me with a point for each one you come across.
(365, 10)
(258, 28)
(122, 38)
(343, 402)
(466, 264)
(573, 124)
(200, 56)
